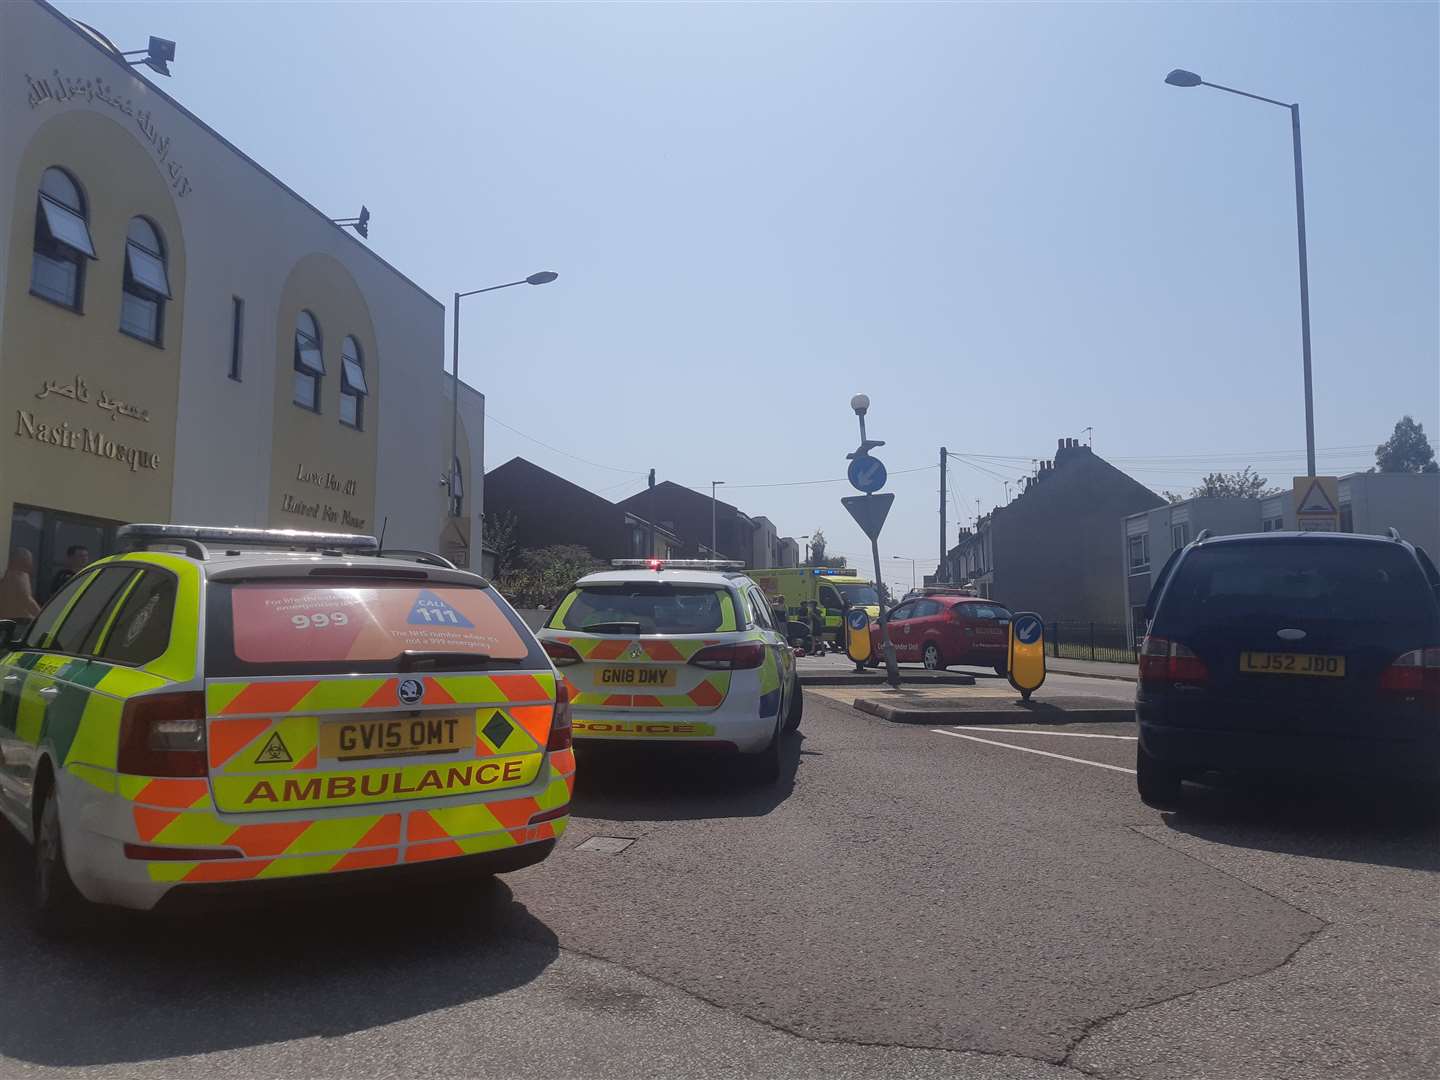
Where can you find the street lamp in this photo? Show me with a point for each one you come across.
(543, 277)
(806, 538)
(1180, 77)
(904, 558)
(713, 485)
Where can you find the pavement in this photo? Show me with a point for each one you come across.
(910, 901)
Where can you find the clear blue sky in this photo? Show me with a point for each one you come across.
(994, 219)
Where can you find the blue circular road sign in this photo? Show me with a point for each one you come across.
(858, 619)
(866, 473)
(1028, 629)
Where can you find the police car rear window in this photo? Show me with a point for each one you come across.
(289, 626)
(643, 609)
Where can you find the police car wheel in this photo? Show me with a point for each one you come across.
(764, 767)
(795, 709)
(53, 895)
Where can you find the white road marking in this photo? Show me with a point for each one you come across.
(1067, 734)
(1030, 750)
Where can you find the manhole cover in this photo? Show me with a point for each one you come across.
(607, 845)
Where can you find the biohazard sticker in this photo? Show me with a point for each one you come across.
(273, 752)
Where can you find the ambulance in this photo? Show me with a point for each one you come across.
(834, 590)
(223, 707)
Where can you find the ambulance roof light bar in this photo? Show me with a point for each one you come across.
(193, 539)
(677, 564)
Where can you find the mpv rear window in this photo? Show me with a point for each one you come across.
(646, 609)
(1306, 578)
(288, 626)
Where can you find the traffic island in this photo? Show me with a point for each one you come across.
(876, 679)
(918, 706)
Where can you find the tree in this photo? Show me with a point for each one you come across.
(500, 530)
(1246, 484)
(1406, 451)
(818, 556)
(542, 576)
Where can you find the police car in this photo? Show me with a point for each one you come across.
(678, 652)
(225, 706)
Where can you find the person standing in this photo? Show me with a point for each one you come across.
(17, 593)
(77, 557)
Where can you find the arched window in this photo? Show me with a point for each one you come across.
(147, 285)
(62, 241)
(353, 390)
(309, 363)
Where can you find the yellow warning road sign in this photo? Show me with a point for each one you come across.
(1317, 503)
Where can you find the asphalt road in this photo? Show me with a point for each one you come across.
(908, 902)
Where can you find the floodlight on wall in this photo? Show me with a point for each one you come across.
(360, 224)
(156, 56)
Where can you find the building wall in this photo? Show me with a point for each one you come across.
(549, 510)
(789, 552)
(1053, 548)
(462, 537)
(1408, 501)
(765, 544)
(687, 513)
(228, 450)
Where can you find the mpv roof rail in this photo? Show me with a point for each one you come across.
(1392, 532)
(1204, 535)
(429, 558)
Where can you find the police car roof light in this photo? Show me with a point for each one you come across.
(194, 537)
(677, 564)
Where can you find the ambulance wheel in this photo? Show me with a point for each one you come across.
(764, 768)
(931, 657)
(795, 709)
(54, 898)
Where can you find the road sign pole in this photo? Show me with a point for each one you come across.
(892, 673)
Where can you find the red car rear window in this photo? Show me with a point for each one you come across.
(296, 623)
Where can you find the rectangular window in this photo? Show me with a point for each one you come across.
(1139, 553)
(67, 227)
(306, 391)
(237, 335)
(1179, 535)
(55, 279)
(140, 317)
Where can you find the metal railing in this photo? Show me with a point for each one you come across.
(1083, 640)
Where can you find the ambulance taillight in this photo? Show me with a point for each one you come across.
(560, 720)
(163, 735)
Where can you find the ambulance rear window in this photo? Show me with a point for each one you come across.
(646, 609)
(288, 626)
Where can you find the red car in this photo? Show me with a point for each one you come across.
(940, 630)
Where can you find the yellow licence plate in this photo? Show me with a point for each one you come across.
(1277, 663)
(431, 733)
(635, 676)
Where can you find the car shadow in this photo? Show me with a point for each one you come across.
(130, 986)
(1345, 820)
(640, 783)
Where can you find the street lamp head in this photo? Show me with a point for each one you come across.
(544, 277)
(1181, 77)
(860, 403)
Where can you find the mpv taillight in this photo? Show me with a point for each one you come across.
(1415, 672)
(560, 720)
(561, 654)
(163, 735)
(737, 657)
(1166, 661)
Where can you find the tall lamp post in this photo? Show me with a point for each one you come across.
(713, 485)
(544, 277)
(806, 538)
(904, 558)
(1181, 77)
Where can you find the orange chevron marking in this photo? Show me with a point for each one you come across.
(149, 823)
(445, 849)
(174, 793)
(535, 719)
(520, 687)
(229, 737)
(366, 860)
(269, 697)
(267, 839)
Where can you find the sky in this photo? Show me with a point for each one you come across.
(996, 220)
